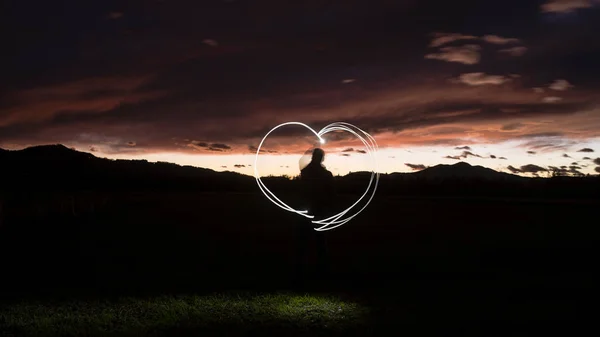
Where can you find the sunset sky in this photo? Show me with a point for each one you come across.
(510, 85)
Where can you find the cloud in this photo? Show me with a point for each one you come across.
(504, 158)
(546, 142)
(514, 51)
(564, 171)
(252, 148)
(560, 85)
(223, 166)
(566, 155)
(529, 168)
(597, 169)
(345, 154)
(531, 152)
(513, 169)
(532, 168)
(479, 78)
(463, 148)
(551, 99)
(512, 126)
(538, 90)
(586, 158)
(566, 6)
(467, 54)
(210, 42)
(196, 145)
(586, 149)
(492, 156)
(131, 144)
(93, 149)
(220, 146)
(350, 149)
(440, 39)
(597, 161)
(495, 39)
(239, 165)
(416, 167)
(348, 80)
(80, 98)
(464, 154)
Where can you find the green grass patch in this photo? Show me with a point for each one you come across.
(183, 315)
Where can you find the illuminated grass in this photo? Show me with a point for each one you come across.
(173, 315)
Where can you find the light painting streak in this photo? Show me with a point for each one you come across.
(338, 219)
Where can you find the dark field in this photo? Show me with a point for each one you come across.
(419, 266)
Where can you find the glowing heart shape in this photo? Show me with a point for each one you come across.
(342, 217)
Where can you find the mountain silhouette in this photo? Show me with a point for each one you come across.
(462, 170)
(56, 168)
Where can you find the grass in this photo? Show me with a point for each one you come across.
(290, 314)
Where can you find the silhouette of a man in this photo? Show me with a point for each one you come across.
(318, 194)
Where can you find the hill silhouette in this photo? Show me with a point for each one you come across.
(464, 170)
(51, 168)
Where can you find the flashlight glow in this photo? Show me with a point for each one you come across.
(345, 215)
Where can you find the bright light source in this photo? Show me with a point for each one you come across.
(338, 219)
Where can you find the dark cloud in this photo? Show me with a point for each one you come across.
(361, 151)
(220, 146)
(574, 163)
(502, 158)
(492, 156)
(597, 161)
(345, 154)
(416, 167)
(529, 168)
(513, 169)
(348, 150)
(531, 152)
(512, 127)
(223, 166)
(464, 154)
(239, 165)
(131, 144)
(597, 169)
(463, 148)
(587, 158)
(514, 51)
(566, 155)
(565, 6)
(93, 149)
(587, 149)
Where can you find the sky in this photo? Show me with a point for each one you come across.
(510, 85)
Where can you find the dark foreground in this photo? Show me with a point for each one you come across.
(221, 264)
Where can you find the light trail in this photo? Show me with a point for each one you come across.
(341, 217)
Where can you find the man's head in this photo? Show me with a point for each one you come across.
(318, 155)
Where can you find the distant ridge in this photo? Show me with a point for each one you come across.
(59, 153)
(464, 170)
(56, 169)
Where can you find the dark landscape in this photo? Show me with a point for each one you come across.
(131, 131)
(453, 249)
